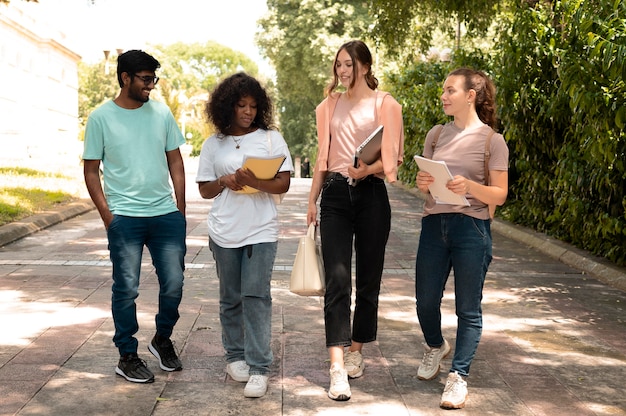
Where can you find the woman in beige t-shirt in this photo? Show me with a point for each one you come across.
(350, 214)
(459, 236)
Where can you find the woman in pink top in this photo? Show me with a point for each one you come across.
(360, 213)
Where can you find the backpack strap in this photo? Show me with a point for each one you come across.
(434, 142)
(488, 155)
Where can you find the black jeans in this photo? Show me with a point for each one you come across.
(363, 212)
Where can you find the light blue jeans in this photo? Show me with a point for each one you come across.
(164, 235)
(462, 243)
(245, 274)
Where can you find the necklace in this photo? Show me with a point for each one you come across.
(237, 141)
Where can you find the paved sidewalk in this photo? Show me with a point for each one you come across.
(553, 342)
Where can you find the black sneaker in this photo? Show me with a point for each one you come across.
(134, 369)
(164, 351)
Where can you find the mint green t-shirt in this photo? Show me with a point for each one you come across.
(131, 145)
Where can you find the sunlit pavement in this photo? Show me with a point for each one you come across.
(553, 340)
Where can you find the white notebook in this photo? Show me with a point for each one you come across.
(438, 190)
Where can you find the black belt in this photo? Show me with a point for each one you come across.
(338, 176)
(335, 176)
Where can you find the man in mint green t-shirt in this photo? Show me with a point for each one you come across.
(137, 141)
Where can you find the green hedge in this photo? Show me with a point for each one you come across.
(563, 104)
(559, 68)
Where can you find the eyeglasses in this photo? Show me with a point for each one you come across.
(147, 79)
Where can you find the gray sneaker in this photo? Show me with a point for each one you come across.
(339, 387)
(431, 361)
(256, 387)
(353, 362)
(238, 371)
(454, 393)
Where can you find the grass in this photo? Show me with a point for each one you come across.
(26, 191)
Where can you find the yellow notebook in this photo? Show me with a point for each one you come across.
(264, 168)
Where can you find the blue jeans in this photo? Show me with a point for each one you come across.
(245, 274)
(462, 243)
(361, 214)
(164, 236)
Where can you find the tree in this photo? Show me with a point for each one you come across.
(189, 72)
(301, 37)
(95, 86)
(402, 24)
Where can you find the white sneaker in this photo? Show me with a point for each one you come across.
(454, 393)
(256, 387)
(339, 386)
(431, 361)
(238, 371)
(353, 362)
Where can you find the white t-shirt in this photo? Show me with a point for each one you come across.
(236, 219)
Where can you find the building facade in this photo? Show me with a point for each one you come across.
(38, 91)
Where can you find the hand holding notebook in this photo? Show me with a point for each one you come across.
(264, 168)
(368, 151)
(439, 170)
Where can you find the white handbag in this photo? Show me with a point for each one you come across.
(307, 275)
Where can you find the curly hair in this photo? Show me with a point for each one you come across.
(358, 51)
(220, 109)
(485, 93)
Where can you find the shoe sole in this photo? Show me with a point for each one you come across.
(448, 405)
(339, 397)
(163, 367)
(254, 395)
(119, 372)
(438, 370)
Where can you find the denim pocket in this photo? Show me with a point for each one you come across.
(481, 226)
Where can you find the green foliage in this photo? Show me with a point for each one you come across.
(401, 25)
(418, 89)
(563, 104)
(200, 66)
(95, 87)
(301, 37)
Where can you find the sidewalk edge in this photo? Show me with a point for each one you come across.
(14, 231)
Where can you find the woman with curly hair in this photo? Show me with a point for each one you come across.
(243, 227)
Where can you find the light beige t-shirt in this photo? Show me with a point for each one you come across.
(349, 127)
(464, 153)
